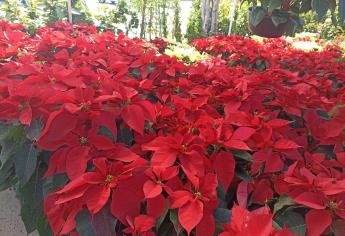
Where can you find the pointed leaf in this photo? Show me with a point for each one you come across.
(104, 223)
(294, 221)
(25, 160)
(133, 115)
(317, 222)
(190, 215)
(283, 201)
(243, 133)
(84, 226)
(224, 165)
(312, 200)
(152, 189)
(33, 131)
(284, 144)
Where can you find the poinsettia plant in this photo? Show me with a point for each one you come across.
(103, 135)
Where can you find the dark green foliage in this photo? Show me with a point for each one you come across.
(194, 27)
(326, 29)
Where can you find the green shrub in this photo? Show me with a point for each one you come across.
(325, 29)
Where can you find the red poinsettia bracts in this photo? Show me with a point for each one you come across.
(242, 143)
(196, 203)
(258, 222)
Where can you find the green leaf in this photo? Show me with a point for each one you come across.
(279, 18)
(84, 226)
(125, 136)
(276, 225)
(31, 199)
(9, 142)
(243, 155)
(135, 73)
(15, 133)
(106, 132)
(282, 202)
(323, 114)
(257, 15)
(243, 174)
(162, 217)
(43, 227)
(7, 149)
(321, 7)
(274, 4)
(25, 160)
(33, 131)
(221, 196)
(4, 129)
(174, 220)
(294, 221)
(7, 175)
(265, 3)
(104, 222)
(53, 183)
(150, 69)
(222, 215)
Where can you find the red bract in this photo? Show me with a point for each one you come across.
(158, 176)
(258, 222)
(166, 147)
(196, 202)
(141, 226)
(95, 186)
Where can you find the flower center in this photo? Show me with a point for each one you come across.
(198, 195)
(83, 140)
(109, 179)
(332, 205)
(184, 147)
(22, 106)
(84, 106)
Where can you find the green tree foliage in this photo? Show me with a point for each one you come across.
(177, 21)
(153, 16)
(53, 11)
(325, 29)
(11, 10)
(194, 26)
(240, 26)
(81, 12)
(121, 15)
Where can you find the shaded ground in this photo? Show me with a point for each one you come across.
(10, 221)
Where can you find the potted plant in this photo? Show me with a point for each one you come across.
(270, 20)
(273, 18)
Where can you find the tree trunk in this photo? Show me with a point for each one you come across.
(177, 23)
(69, 10)
(142, 26)
(164, 20)
(233, 5)
(209, 15)
(150, 25)
(203, 11)
(214, 18)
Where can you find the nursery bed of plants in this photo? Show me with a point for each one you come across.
(105, 135)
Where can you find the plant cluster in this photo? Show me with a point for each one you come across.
(102, 134)
(326, 29)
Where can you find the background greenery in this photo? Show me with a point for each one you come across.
(161, 18)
